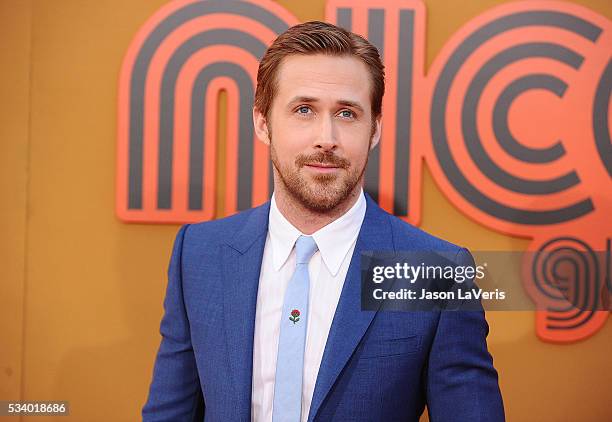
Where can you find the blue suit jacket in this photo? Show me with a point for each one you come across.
(377, 366)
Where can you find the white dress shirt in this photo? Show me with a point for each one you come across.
(327, 270)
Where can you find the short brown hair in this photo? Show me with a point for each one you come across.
(316, 37)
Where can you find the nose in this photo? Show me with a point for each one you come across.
(326, 138)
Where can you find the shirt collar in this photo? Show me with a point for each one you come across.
(334, 240)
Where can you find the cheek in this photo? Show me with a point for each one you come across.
(291, 142)
(356, 139)
(284, 150)
(358, 153)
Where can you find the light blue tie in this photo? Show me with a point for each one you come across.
(290, 361)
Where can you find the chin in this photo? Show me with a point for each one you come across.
(320, 200)
(319, 206)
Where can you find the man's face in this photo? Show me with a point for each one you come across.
(320, 128)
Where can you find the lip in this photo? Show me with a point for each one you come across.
(322, 168)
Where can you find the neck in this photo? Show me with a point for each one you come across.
(306, 220)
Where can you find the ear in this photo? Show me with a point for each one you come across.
(377, 133)
(261, 126)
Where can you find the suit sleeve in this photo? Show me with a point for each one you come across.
(461, 382)
(174, 393)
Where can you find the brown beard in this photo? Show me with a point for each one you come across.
(328, 190)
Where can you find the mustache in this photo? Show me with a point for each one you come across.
(322, 158)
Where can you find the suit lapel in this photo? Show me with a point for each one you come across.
(350, 322)
(242, 258)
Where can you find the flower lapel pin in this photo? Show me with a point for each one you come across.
(295, 316)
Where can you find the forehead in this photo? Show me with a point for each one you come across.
(325, 77)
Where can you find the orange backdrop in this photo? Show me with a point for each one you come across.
(81, 293)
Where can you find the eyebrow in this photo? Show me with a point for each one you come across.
(306, 99)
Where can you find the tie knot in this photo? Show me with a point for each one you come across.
(305, 247)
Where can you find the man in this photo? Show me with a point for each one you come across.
(263, 318)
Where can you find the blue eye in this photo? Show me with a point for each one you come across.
(347, 113)
(303, 110)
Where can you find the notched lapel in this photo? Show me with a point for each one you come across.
(350, 322)
(241, 263)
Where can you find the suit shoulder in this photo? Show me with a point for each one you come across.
(220, 230)
(407, 236)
